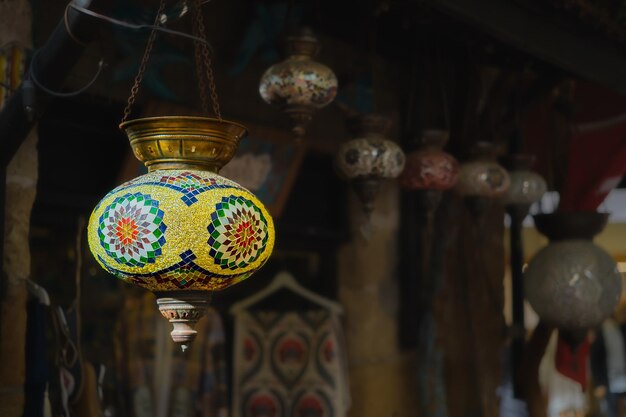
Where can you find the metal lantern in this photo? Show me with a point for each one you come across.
(572, 283)
(369, 158)
(181, 230)
(299, 85)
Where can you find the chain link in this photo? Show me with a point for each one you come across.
(202, 58)
(204, 65)
(144, 62)
(204, 100)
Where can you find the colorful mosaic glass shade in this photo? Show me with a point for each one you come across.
(181, 230)
(369, 158)
(299, 85)
(527, 187)
(482, 176)
(429, 167)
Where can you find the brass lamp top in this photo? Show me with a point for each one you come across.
(303, 43)
(183, 142)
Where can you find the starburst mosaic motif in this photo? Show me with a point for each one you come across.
(189, 181)
(189, 184)
(238, 233)
(131, 230)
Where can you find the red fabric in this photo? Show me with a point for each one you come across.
(597, 162)
(595, 155)
(593, 102)
(573, 362)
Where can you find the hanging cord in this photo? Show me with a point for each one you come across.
(80, 229)
(442, 85)
(33, 77)
(371, 48)
(203, 65)
(144, 62)
(156, 27)
(68, 28)
(288, 22)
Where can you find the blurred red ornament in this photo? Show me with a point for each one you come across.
(429, 167)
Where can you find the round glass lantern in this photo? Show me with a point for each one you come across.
(429, 167)
(572, 283)
(483, 176)
(429, 170)
(181, 230)
(369, 158)
(527, 187)
(299, 85)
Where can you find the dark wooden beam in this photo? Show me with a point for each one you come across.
(535, 32)
(54, 62)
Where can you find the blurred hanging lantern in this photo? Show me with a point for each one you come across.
(482, 179)
(299, 85)
(527, 187)
(429, 170)
(369, 158)
(181, 230)
(572, 283)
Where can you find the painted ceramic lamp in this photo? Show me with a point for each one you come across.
(572, 283)
(299, 85)
(181, 230)
(369, 158)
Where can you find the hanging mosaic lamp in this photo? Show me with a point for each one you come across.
(430, 170)
(182, 230)
(299, 85)
(527, 187)
(572, 283)
(369, 158)
(482, 178)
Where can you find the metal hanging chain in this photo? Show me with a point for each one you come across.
(204, 99)
(203, 65)
(144, 62)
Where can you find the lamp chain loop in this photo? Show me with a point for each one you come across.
(144, 62)
(204, 65)
(202, 91)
